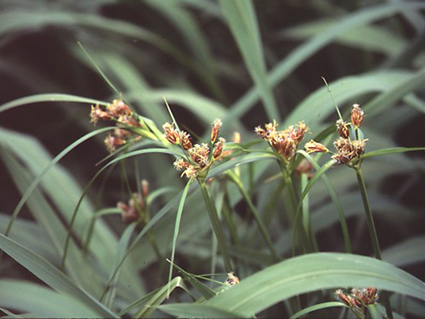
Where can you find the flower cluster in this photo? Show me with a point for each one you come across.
(347, 149)
(136, 209)
(121, 113)
(283, 142)
(231, 279)
(359, 299)
(200, 156)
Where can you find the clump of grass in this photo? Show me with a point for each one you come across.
(247, 227)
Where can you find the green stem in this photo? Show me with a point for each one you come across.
(372, 231)
(293, 201)
(215, 222)
(254, 212)
(369, 216)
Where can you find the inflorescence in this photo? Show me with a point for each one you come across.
(200, 156)
(122, 114)
(283, 142)
(347, 150)
(359, 299)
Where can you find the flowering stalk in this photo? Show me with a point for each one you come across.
(369, 216)
(284, 144)
(215, 222)
(254, 211)
(195, 164)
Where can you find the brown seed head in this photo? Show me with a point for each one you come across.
(128, 120)
(118, 108)
(199, 154)
(305, 167)
(121, 133)
(271, 127)
(97, 114)
(357, 116)
(297, 134)
(112, 142)
(370, 295)
(130, 212)
(185, 140)
(215, 129)
(358, 146)
(218, 150)
(315, 147)
(261, 132)
(171, 134)
(231, 279)
(190, 172)
(181, 164)
(343, 130)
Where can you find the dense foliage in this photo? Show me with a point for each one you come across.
(227, 158)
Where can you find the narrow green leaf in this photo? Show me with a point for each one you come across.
(374, 312)
(46, 272)
(335, 199)
(177, 226)
(310, 273)
(35, 183)
(41, 301)
(159, 297)
(120, 253)
(321, 306)
(303, 52)
(203, 289)
(394, 150)
(48, 97)
(198, 311)
(366, 37)
(242, 21)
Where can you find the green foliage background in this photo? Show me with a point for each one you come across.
(246, 62)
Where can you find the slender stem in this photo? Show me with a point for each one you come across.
(215, 222)
(369, 216)
(254, 212)
(293, 201)
(372, 231)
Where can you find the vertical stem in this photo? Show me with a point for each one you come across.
(369, 216)
(372, 231)
(235, 179)
(215, 222)
(297, 224)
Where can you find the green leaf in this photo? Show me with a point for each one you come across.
(48, 97)
(46, 272)
(310, 273)
(159, 297)
(406, 253)
(394, 150)
(203, 289)
(366, 37)
(177, 226)
(187, 310)
(321, 306)
(304, 51)
(242, 21)
(41, 301)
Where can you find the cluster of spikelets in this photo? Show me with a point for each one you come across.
(136, 209)
(122, 114)
(359, 299)
(283, 142)
(199, 157)
(347, 149)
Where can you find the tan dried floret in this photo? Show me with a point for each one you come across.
(357, 115)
